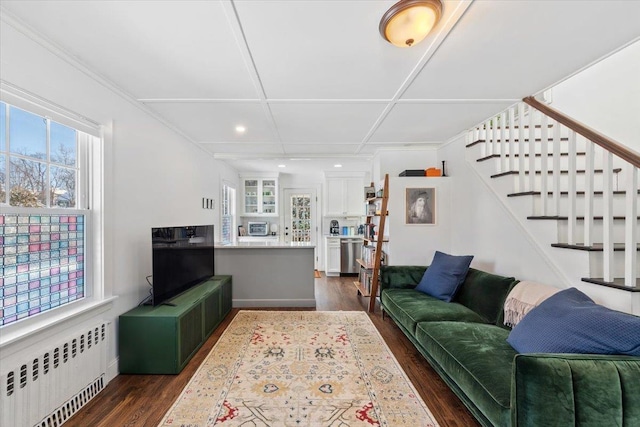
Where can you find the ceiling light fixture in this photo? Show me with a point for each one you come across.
(282, 166)
(408, 22)
(241, 129)
(337, 166)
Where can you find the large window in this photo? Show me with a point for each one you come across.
(43, 219)
(228, 213)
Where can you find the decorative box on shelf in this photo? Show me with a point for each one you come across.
(412, 172)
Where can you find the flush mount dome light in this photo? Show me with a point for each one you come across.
(409, 21)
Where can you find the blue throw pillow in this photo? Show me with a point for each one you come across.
(570, 322)
(444, 276)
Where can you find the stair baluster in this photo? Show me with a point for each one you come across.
(631, 237)
(572, 189)
(555, 166)
(544, 157)
(607, 220)
(588, 191)
(512, 143)
(558, 194)
(521, 159)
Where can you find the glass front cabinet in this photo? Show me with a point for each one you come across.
(260, 196)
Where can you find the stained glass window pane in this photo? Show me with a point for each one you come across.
(42, 263)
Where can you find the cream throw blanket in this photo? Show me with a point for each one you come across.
(522, 298)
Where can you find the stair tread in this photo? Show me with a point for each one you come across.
(617, 283)
(562, 172)
(479, 141)
(495, 156)
(550, 139)
(562, 193)
(579, 218)
(527, 126)
(595, 247)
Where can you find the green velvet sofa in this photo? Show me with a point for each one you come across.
(465, 342)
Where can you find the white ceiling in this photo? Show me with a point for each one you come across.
(313, 79)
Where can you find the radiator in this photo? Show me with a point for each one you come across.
(46, 389)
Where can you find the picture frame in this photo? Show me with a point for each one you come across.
(420, 206)
(369, 192)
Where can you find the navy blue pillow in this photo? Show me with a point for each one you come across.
(444, 276)
(570, 322)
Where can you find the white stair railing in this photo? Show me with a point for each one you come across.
(514, 134)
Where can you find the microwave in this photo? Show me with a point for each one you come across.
(258, 228)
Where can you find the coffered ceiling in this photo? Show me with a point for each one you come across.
(313, 79)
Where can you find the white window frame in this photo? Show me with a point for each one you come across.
(228, 209)
(90, 197)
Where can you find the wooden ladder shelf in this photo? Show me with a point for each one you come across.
(379, 241)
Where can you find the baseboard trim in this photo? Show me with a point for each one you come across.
(112, 369)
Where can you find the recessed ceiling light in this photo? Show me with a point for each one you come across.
(241, 129)
(282, 166)
(337, 166)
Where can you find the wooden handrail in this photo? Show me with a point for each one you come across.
(593, 135)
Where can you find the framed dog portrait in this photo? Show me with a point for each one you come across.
(420, 206)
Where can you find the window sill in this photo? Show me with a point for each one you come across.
(28, 328)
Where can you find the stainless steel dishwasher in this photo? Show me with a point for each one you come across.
(350, 250)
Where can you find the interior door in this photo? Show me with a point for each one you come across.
(300, 216)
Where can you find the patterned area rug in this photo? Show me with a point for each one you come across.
(300, 368)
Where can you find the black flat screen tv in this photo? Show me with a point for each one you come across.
(182, 257)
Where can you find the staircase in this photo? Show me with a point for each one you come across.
(574, 190)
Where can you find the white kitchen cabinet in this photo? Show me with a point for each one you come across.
(332, 256)
(343, 196)
(260, 196)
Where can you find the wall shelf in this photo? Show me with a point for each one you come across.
(367, 283)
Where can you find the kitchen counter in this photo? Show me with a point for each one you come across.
(269, 274)
(263, 244)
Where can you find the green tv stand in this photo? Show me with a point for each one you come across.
(162, 339)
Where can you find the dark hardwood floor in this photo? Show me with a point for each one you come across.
(142, 400)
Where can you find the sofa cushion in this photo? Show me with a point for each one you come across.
(408, 307)
(477, 358)
(571, 322)
(444, 276)
(401, 276)
(485, 294)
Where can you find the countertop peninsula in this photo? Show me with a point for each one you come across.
(269, 274)
(263, 244)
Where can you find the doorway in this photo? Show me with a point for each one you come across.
(300, 216)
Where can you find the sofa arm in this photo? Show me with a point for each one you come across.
(400, 276)
(575, 390)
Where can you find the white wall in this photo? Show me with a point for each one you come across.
(485, 229)
(395, 161)
(154, 176)
(413, 244)
(595, 96)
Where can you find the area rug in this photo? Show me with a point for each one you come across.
(300, 368)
